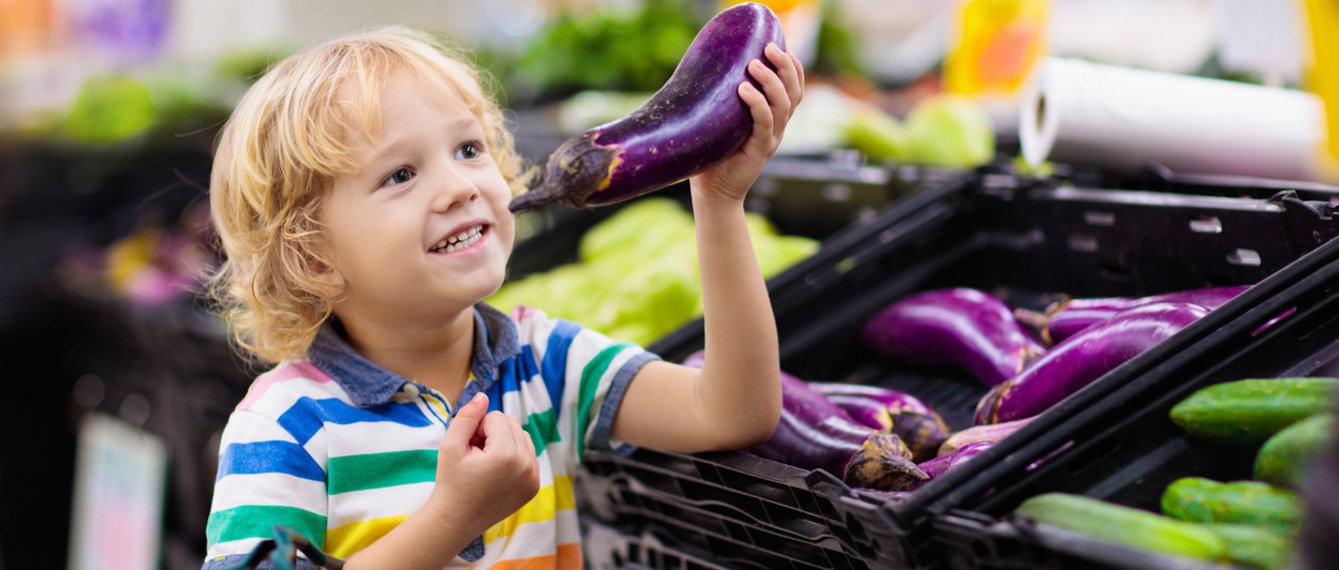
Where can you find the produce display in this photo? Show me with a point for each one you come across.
(960, 326)
(636, 274)
(951, 131)
(1257, 520)
(1122, 525)
(989, 433)
(910, 419)
(694, 121)
(1249, 411)
(1281, 460)
(1063, 318)
(1085, 357)
(887, 440)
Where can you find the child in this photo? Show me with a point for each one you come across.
(360, 192)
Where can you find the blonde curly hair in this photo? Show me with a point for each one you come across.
(276, 159)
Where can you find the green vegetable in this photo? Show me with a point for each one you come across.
(945, 130)
(1251, 545)
(880, 136)
(950, 130)
(1123, 525)
(1197, 499)
(108, 109)
(1285, 457)
(636, 277)
(1249, 411)
(609, 48)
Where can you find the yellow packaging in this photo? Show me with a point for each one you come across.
(995, 45)
(1322, 76)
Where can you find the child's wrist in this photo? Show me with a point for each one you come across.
(712, 197)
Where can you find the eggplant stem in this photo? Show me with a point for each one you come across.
(1033, 319)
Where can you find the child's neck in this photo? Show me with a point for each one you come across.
(439, 357)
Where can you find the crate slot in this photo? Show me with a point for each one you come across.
(1098, 218)
(1206, 225)
(1245, 257)
(1083, 243)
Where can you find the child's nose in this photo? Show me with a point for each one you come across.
(453, 188)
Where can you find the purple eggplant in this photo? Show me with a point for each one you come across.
(975, 434)
(1062, 319)
(963, 327)
(892, 400)
(816, 434)
(694, 121)
(919, 426)
(1082, 358)
(940, 465)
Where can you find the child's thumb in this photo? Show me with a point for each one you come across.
(466, 421)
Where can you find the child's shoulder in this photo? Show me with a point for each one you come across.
(276, 390)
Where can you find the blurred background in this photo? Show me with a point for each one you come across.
(109, 109)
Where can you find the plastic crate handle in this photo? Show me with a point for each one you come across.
(283, 549)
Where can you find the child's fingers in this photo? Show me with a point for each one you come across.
(789, 70)
(763, 118)
(771, 83)
(460, 432)
(799, 80)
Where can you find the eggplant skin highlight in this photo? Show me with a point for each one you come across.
(693, 122)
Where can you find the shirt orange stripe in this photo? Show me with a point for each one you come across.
(569, 556)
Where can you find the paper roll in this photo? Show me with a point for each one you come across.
(1128, 119)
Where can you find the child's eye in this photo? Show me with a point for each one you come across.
(469, 150)
(398, 177)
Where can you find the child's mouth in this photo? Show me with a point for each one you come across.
(459, 241)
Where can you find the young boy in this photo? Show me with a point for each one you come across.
(360, 192)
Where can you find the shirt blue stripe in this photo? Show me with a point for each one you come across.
(268, 457)
(554, 367)
(306, 416)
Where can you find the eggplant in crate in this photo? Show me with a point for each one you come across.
(1127, 450)
(1020, 240)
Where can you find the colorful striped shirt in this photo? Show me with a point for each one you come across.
(342, 450)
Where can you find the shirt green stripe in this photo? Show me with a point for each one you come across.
(349, 473)
(543, 430)
(590, 383)
(255, 521)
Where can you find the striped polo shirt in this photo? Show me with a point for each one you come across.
(342, 450)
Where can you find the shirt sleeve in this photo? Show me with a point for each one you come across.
(266, 477)
(587, 374)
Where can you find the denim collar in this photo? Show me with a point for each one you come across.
(368, 383)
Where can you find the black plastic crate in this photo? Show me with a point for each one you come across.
(607, 548)
(1022, 240)
(1125, 449)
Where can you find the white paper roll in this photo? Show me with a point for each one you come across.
(1127, 119)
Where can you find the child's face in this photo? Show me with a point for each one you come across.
(421, 224)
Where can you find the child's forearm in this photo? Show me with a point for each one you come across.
(740, 385)
(428, 539)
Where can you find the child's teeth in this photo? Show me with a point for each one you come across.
(462, 240)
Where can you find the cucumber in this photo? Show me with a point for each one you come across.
(1249, 411)
(1252, 546)
(1123, 525)
(1197, 499)
(1284, 457)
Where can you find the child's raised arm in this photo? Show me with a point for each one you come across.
(734, 400)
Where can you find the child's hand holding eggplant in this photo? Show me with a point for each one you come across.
(771, 108)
